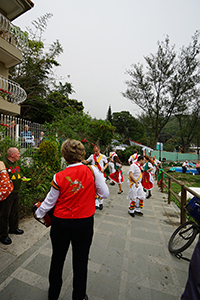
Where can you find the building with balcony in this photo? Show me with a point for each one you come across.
(12, 44)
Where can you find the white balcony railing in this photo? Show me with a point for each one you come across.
(12, 34)
(11, 91)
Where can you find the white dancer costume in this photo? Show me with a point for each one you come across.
(136, 195)
(99, 162)
(133, 158)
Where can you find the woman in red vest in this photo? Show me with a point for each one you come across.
(73, 195)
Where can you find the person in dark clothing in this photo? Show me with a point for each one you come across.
(192, 288)
(9, 208)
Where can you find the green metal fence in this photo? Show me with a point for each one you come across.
(174, 156)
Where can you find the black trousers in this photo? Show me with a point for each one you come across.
(79, 232)
(9, 214)
(192, 288)
(184, 169)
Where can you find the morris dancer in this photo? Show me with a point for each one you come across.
(147, 177)
(100, 161)
(136, 193)
(111, 165)
(156, 165)
(117, 175)
(133, 158)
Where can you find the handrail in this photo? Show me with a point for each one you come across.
(11, 91)
(182, 199)
(12, 34)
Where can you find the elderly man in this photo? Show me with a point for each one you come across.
(10, 206)
(27, 137)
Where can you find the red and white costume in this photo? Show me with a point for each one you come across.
(133, 158)
(117, 175)
(148, 177)
(98, 162)
(111, 165)
(135, 195)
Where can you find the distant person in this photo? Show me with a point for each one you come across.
(111, 165)
(73, 195)
(157, 165)
(100, 162)
(133, 158)
(117, 175)
(148, 176)
(172, 169)
(185, 165)
(198, 168)
(27, 137)
(41, 137)
(11, 129)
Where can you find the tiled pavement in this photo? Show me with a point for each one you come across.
(129, 258)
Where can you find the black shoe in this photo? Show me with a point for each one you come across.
(120, 192)
(6, 241)
(139, 213)
(100, 206)
(112, 183)
(148, 196)
(131, 214)
(17, 231)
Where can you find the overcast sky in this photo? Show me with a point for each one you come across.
(102, 38)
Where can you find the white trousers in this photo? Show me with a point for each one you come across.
(136, 197)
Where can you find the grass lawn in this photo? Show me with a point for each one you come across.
(188, 179)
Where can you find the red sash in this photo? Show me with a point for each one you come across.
(96, 162)
(139, 165)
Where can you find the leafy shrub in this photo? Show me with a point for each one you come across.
(49, 154)
(5, 144)
(40, 167)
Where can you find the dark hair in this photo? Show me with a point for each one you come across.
(140, 157)
(117, 160)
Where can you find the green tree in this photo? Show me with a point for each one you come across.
(82, 127)
(35, 73)
(168, 81)
(185, 87)
(127, 126)
(109, 114)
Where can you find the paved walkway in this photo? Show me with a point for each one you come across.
(129, 258)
